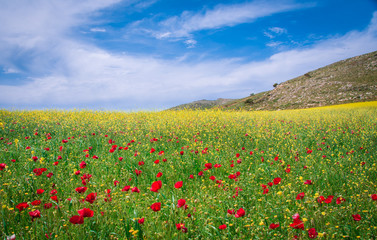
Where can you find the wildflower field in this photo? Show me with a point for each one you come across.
(298, 174)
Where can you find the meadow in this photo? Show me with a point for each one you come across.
(211, 174)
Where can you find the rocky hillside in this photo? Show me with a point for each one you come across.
(350, 80)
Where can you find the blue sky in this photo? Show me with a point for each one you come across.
(155, 54)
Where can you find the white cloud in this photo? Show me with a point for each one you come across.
(98, 30)
(274, 32)
(191, 43)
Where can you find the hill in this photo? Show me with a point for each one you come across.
(203, 104)
(350, 80)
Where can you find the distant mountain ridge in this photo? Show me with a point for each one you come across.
(350, 80)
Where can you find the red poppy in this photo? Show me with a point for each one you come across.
(300, 196)
(82, 164)
(181, 203)
(159, 174)
(35, 214)
(240, 213)
(277, 180)
(156, 186)
(35, 158)
(91, 197)
(85, 212)
(191, 176)
(47, 205)
(221, 227)
(77, 172)
(141, 221)
(22, 206)
(208, 165)
(237, 155)
(297, 223)
(138, 172)
(373, 197)
(231, 211)
(200, 173)
(116, 183)
(356, 217)
(49, 175)
(265, 191)
(55, 198)
(212, 178)
(81, 189)
(53, 192)
(77, 219)
(2, 166)
(329, 199)
(141, 163)
(320, 199)
(308, 182)
(156, 206)
(270, 184)
(152, 150)
(126, 188)
(135, 189)
(40, 191)
(274, 225)
(178, 184)
(312, 233)
(36, 202)
(339, 200)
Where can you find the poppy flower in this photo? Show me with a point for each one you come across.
(339, 200)
(156, 206)
(53, 192)
(212, 178)
(200, 173)
(265, 191)
(39, 171)
(297, 223)
(152, 150)
(221, 227)
(274, 225)
(116, 183)
(312, 233)
(300, 196)
(22, 206)
(54, 198)
(141, 163)
(141, 221)
(91, 197)
(329, 199)
(240, 213)
(77, 172)
(208, 165)
(36, 202)
(49, 175)
(82, 164)
(191, 176)
(156, 186)
(85, 212)
(2, 166)
(48, 205)
(270, 184)
(138, 172)
(178, 184)
(35, 158)
(126, 188)
(135, 189)
(277, 180)
(35, 214)
(76, 219)
(159, 174)
(181, 203)
(356, 217)
(231, 211)
(320, 199)
(81, 189)
(308, 182)
(40, 191)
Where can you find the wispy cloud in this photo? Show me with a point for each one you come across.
(98, 30)
(220, 16)
(273, 32)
